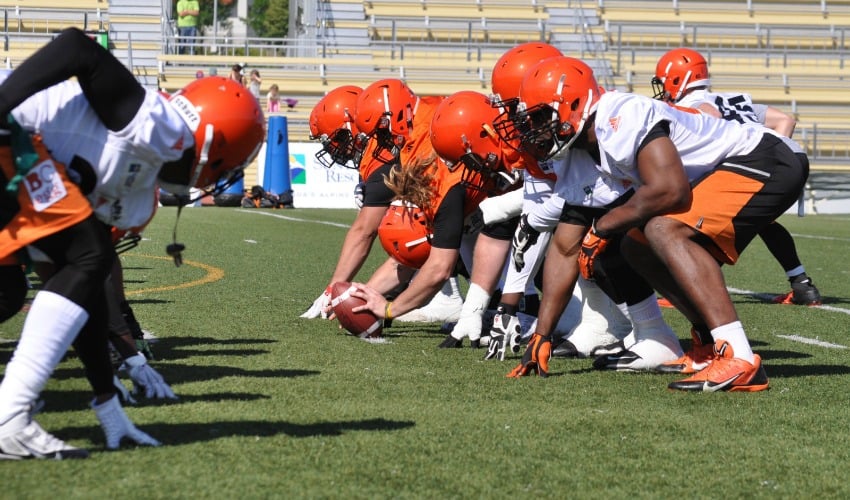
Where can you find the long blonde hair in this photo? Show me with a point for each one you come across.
(415, 183)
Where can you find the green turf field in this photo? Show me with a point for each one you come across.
(274, 406)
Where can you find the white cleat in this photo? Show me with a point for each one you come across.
(22, 438)
(445, 307)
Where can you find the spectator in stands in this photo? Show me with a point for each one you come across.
(254, 82)
(236, 73)
(187, 25)
(273, 99)
(676, 233)
(682, 78)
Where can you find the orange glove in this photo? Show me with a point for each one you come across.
(591, 247)
(535, 359)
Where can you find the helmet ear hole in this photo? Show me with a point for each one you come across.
(575, 104)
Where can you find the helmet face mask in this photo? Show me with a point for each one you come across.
(340, 148)
(462, 133)
(544, 135)
(384, 112)
(557, 97)
(332, 124)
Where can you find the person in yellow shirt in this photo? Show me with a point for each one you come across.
(187, 25)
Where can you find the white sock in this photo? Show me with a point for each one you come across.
(51, 325)
(624, 308)
(649, 324)
(796, 271)
(734, 334)
(645, 310)
(475, 303)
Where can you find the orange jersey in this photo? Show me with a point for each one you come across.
(446, 178)
(418, 146)
(48, 202)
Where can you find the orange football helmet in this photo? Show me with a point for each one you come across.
(462, 132)
(511, 67)
(228, 125)
(405, 234)
(385, 111)
(332, 123)
(677, 71)
(556, 98)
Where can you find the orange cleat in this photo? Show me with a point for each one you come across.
(693, 361)
(726, 373)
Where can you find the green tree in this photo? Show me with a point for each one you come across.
(269, 18)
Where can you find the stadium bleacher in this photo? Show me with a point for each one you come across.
(789, 54)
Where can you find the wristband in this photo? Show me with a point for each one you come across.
(388, 315)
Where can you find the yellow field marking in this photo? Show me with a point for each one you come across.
(213, 274)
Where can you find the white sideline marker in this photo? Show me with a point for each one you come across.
(806, 340)
(295, 219)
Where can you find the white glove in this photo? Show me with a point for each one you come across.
(319, 305)
(123, 394)
(146, 379)
(116, 425)
(358, 194)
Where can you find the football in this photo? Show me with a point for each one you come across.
(362, 324)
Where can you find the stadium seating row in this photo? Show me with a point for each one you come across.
(730, 12)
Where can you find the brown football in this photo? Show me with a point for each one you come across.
(362, 324)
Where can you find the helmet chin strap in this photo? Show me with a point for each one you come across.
(175, 249)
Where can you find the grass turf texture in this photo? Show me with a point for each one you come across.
(272, 405)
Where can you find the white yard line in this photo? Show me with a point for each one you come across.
(806, 340)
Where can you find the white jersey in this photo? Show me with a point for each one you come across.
(623, 121)
(126, 162)
(735, 107)
(579, 184)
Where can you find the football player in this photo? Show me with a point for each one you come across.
(446, 195)
(676, 235)
(373, 130)
(682, 78)
(119, 141)
(600, 326)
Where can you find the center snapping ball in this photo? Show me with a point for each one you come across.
(362, 324)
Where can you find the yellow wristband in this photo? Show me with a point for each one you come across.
(388, 314)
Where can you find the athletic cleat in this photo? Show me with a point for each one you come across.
(22, 438)
(644, 355)
(803, 293)
(662, 302)
(624, 361)
(450, 343)
(444, 307)
(567, 349)
(696, 359)
(726, 373)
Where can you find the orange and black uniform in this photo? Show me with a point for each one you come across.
(418, 145)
